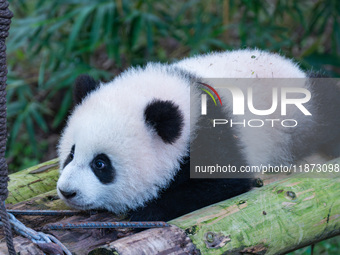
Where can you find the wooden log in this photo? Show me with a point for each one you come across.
(170, 240)
(23, 245)
(275, 219)
(46, 201)
(33, 181)
(79, 241)
(82, 241)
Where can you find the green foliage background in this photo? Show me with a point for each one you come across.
(52, 42)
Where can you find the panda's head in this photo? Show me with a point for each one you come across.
(124, 141)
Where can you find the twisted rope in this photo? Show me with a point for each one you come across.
(5, 21)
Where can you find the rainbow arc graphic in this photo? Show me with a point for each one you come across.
(209, 93)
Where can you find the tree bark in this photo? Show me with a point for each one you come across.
(275, 219)
(33, 181)
(169, 240)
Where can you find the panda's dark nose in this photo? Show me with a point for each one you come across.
(68, 194)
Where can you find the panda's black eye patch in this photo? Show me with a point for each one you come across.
(102, 167)
(69, 157)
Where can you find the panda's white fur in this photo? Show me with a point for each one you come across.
(242, 64)
(260, 145)
(110, 120)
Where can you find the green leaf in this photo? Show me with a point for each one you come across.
(15, 128)
(79, 23)
(39, 120)
(96, 31)
(31, 134)
(135, 31)
(63, 110)
(42, 71)
(14, 108)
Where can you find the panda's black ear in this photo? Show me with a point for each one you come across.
(83, 85)
(165, 118)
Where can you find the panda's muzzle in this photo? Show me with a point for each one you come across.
(68, 194)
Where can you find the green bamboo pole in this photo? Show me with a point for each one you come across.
(275, 219)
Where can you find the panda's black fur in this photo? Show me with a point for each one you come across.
(95, 182)
(165, 118)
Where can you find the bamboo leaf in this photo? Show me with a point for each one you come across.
(31, 134)
(135, 31)
(83, 15)
(63, 110)
(39, 120)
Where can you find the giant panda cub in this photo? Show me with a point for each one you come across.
(126, 145)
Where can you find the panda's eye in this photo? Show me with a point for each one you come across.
(69, 157)
(99, 164)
